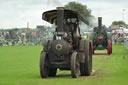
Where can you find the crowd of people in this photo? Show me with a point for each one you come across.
(119, 37)
(23, 37)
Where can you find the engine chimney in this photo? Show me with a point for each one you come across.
(60, 19)
(99, 23)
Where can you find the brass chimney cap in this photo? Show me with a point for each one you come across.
(60, 8)
(99, 17)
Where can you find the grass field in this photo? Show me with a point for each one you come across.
(19, 65)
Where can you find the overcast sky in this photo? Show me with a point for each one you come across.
(16, 13)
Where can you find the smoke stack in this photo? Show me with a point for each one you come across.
(60, 19)
(99, 22)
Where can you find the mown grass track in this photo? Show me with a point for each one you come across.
(19, 65)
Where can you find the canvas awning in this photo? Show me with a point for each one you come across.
(51, 16)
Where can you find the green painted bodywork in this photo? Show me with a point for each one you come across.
(99, 45)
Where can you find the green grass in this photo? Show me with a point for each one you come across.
(19, 65)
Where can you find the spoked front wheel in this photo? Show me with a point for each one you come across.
(44, 70)
(75, 67)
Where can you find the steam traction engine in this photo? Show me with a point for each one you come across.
(67, 50)
(101, 39)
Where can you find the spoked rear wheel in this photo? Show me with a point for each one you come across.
(88, 58)
(92, 47)
(44, 65)
(109, 47)
(74, 65)
(86, 66)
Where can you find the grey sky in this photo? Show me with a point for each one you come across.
(16, 13)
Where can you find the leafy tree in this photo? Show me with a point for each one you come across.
(82, 9)
(118, 23)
